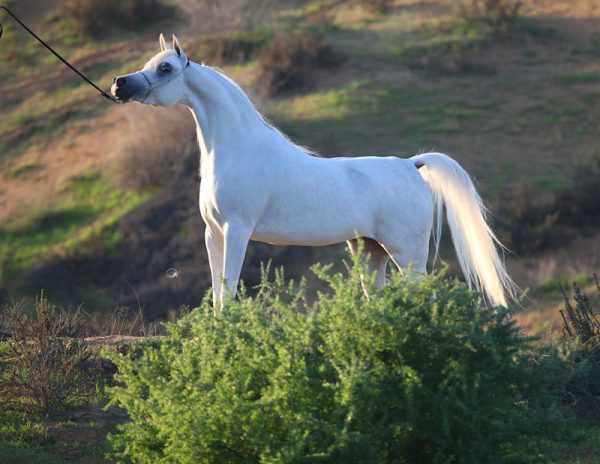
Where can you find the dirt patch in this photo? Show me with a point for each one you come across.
(85, 146)
(75, 433)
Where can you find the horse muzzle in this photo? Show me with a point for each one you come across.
(129, 87)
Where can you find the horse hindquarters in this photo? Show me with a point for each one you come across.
(405, 217)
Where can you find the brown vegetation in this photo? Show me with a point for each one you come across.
(376, 6)
(581, 320)
(235, 47)
(94, 16)
(286, 62)
(44, 367)
(496, 12)
(529, 223)
(50, 360)
(158, 145)
(581, 326)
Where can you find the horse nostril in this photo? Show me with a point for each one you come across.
(120, 81)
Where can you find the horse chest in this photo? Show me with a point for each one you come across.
(225, 196)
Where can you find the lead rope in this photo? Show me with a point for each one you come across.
(102, 92)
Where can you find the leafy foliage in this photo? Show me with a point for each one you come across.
(418, 372)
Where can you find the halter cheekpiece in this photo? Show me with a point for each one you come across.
(151, 86)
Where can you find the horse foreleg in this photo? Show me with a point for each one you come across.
(214, 247)
(236, 237)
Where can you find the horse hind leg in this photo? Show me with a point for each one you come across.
(377, 259)
(412, 257)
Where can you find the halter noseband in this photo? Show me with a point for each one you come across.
(152, 86)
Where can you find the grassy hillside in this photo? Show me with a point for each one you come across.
(515, 104)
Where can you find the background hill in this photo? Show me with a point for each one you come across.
(98, 200)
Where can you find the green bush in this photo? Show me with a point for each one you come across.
(417, 373)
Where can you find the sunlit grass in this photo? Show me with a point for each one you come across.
(25, 440)
(371, 113)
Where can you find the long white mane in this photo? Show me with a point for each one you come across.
(244, 102)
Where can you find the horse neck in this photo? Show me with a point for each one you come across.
(224, 116)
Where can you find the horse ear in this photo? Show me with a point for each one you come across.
(177, 47)
(163, 43)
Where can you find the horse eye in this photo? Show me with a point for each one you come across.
(165, 68)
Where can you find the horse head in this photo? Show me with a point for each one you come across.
(159, 82)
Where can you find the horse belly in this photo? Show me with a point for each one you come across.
(312, 225)
(319, 238)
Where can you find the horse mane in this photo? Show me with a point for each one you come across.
(245, 100)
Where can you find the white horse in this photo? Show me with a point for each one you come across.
(258, 185)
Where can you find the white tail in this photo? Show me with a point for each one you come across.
(474, 241)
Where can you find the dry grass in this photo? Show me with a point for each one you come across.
(581, 326)
(43, 368)
(53, 379)
(157, 146)
(50, 358)
(580, 319)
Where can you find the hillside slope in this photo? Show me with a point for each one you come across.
(516, 107)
